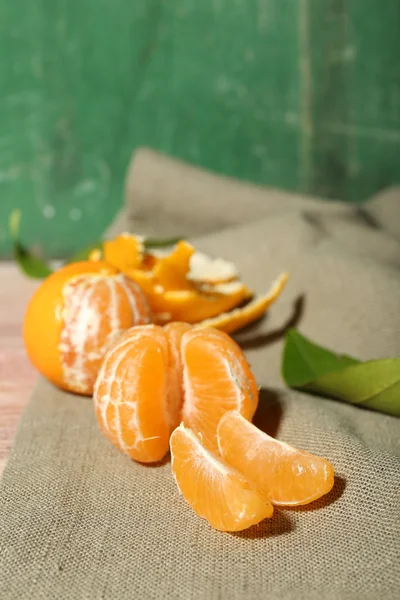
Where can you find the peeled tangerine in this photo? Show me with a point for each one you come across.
(154, 377)
(191, 389)
(72, 318)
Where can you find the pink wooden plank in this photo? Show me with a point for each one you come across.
(17, 376)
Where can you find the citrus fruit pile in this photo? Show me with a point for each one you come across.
(147, 335)
(191, 390)
(77, 311)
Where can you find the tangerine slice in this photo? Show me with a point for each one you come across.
(216, 379)
(214, 490)
(289, 477)
(174, 333)
(131, 394)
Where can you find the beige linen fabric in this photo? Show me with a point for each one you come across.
(78, 520)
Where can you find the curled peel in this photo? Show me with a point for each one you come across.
(225, 289)
(192, 306)
(240, 317)
(185, 285)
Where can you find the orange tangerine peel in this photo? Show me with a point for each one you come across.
(171, 271)
(188, 304)
(254, 310)
(193, 306)
(124, 252)
(180, 285)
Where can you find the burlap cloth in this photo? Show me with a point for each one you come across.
(81, 521)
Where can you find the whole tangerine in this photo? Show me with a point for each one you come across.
(72, 318)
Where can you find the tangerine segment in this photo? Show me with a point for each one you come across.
(73, 316)
(174, 333)
(131, 391)
(289, 477)
(214, 490)
(254, 310)
(216, 379)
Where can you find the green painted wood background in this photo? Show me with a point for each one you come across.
(299, 94)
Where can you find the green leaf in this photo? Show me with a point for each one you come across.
(374, 384)
(303, 360)
(30, 265)
(84, 253)
(161, 243)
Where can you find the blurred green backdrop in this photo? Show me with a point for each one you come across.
(298, 94)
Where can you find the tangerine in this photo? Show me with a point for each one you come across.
(74, 315)
(153, 377)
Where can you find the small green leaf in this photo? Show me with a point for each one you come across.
(31, 265)
(84, 253)
(161, 243)
(374, 384)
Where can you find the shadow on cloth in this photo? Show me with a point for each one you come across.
(247, 343)
(269, 411)
(279, 524)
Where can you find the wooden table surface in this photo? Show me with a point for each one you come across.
(17, 376)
